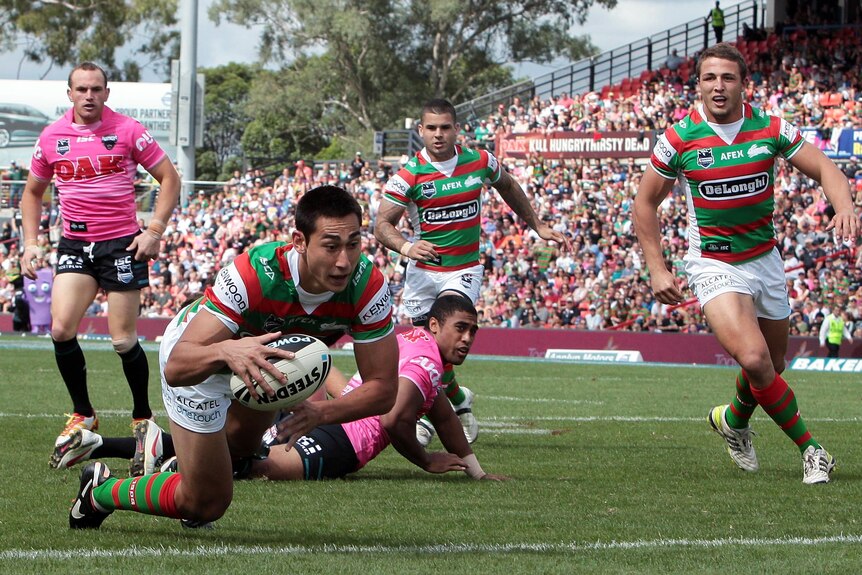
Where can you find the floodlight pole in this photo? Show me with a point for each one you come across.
(187, 97)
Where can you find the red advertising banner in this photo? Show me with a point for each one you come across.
(700, 349)
(561, 145)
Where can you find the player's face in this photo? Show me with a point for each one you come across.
(329, 256)
(439, 132)
(721, 87)
(454, 336)
(88, 95)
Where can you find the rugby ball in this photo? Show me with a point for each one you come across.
(305, 373)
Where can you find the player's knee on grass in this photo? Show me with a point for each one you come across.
(205, 506)
(124, 344)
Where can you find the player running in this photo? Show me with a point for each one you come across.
(441, 188)
(724, 152)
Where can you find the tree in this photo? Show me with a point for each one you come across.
(450, 46)
(64, 32)
(226, 116)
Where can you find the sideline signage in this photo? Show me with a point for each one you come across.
(602, 355)
(833, 364)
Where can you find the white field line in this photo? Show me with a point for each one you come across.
(465, 548)
(492, 421)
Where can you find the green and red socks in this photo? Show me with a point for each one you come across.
(149, 494)
(779, 403)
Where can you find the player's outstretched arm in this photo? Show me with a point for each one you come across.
(512, 193)
(400, 425)
(814, 164)
(451, 434)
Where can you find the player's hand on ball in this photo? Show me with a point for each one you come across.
(248, 358)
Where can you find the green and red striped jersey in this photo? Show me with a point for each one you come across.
(258, 294)
(729, 185)
(445, 209)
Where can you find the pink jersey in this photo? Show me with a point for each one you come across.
(95, 166)
(419, 362)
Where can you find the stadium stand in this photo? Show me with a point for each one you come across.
(602, 284)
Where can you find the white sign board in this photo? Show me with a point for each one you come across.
(27, 106)
(603, 355)
(832, 364)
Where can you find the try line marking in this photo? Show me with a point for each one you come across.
(565, 548)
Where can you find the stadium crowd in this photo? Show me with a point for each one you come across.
(811, 80)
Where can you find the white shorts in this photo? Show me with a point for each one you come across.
(762, 279)
(423, 286)
(201, 408)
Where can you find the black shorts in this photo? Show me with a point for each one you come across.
(114, 268)
(326, 453)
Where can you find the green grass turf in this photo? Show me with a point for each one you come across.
(615, 470)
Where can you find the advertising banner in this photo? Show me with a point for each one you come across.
(841, 144)
(561, 145)
(28, 106)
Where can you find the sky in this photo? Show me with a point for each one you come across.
(219, 45)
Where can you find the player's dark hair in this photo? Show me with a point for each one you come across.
(450, 304)
(440, 107)
(324, 202)
(724, 51)
(89, 67)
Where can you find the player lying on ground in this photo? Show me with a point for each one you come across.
(333, 451)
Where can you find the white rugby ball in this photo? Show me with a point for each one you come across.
(305, 373)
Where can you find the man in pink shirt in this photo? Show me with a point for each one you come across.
(92, 153)
(332, 451)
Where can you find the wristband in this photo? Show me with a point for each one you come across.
(405, 249)
(474, 470)
(154, 235)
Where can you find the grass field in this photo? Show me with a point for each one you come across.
(614, 469)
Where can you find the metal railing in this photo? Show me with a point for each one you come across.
(613, 66)
(397, 143)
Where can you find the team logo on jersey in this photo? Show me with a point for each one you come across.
(757, 150)
(466, 281)
(472, 181)
(334, 326)
(62, 146)
(705, 158)
(109, 141)
(428, 190)
(272, 324)
(734, 188)
(450, 214)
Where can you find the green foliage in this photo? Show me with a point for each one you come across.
(226, 114)
(615, 470)
(374, 63)
(66, 32)
(336, 150)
